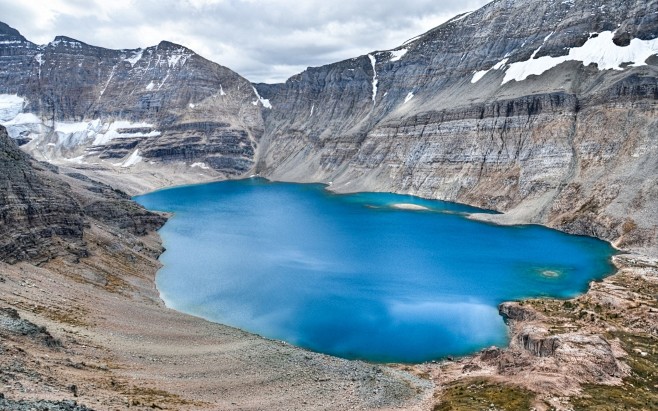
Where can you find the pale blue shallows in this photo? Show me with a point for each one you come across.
(352, 276)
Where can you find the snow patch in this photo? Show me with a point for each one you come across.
(71, 134)
(132, 160)
(18, 124)
(137, 56)
(150, 86)
(409, 97)
(373, 61)
(398, 54)
(21, 119)
(123, 129)
(202, 166)
(534, 53)
(600, 50)
(108, 81)
(265, 102)
(164, 80)
(68, 134)
(11, 105)
(173, 60)
(221, 91)
(39, 60)
(178, 57)
(477, 76)
(68, 128)
(192, 105)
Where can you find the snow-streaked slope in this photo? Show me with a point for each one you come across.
(10, 106)
(599, 49)
(124, 129)
(133, 159)
(67, 137)
(373, 61)
(398, 54)
(265, 102)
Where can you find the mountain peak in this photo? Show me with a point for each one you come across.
(168, 45)
(8, 33)
(67, 41)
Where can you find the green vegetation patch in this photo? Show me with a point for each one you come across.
(639, 390)
(483, 394)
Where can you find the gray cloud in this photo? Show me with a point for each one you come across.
(263, 40)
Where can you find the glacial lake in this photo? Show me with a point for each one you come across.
(355, 276)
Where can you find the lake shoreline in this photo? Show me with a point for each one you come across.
(123, 347)
(350, 290)
(128, 336)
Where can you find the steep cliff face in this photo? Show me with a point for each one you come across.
(70, 100)
(36, 213)
(544, 110)
(44, 213)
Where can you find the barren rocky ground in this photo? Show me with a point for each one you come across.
(93, 330)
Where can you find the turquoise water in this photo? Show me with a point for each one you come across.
(351, 275)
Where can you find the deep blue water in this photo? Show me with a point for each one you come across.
(352, 276)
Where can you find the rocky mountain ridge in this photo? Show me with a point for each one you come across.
(86, 105)
(544, 111)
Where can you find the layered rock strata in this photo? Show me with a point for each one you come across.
(544, 111)
(69, 101)
(44, 213)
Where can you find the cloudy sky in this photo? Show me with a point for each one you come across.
(263, 40)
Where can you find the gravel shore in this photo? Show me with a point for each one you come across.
(118, 346)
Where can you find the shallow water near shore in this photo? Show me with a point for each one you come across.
(373, 276)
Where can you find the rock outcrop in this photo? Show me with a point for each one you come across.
(44, 213)
(516, 312)
(36, 211)
(42, 405)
